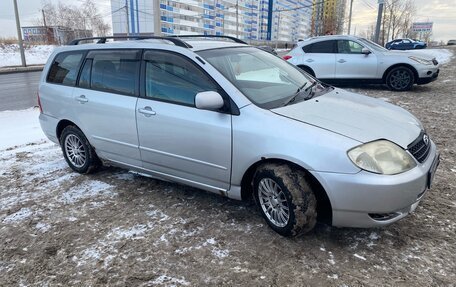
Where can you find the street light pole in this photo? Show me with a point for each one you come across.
(350, 17)
(126, 13)
(379, 20)
(237, 18)
(19, 34)
(278, 29)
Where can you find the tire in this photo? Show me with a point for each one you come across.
(295, 205)
(400, 79)
(307, 70)
(77, 151)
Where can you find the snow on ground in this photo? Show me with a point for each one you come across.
(19, 128)
(443, 56)
(34, 55)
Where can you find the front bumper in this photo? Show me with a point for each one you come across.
(366, 199)
(427, 75)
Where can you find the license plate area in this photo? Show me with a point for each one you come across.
(432, 170)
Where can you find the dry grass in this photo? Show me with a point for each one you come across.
(8, 40)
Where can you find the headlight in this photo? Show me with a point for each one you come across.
(382, 157)
(421, 60)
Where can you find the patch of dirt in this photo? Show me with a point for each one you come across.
(120, 229)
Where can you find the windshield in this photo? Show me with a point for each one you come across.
(373, 45)
(265, 79)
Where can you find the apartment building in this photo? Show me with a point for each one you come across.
(282, 20)
(328, 17)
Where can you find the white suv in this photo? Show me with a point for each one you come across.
(350, 59)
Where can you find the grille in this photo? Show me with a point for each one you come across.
(435, 62)
(420, 147)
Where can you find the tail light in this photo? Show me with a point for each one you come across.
(39, 102)
(287, 57)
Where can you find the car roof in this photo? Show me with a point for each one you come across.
(198, 45)
(195, 44)
(326, 38)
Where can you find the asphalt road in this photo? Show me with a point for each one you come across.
(18, 90)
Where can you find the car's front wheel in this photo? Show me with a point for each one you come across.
(78, 152)
(400, 79)
(285, 199)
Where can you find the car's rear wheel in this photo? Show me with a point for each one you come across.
(285, 199)
(400, 79)
(79, 154)
(307, 70)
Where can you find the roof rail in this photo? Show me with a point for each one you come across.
(234, 39)
(102, 40)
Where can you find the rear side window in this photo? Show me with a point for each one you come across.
(325, 47)
(349, 47)
(174, 78)
(64, 70)
(115, 71)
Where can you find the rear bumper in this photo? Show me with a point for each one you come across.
(49, 127)
(366, 200)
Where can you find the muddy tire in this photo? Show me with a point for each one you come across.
(400, 79)
(285, 199)
(77, 151)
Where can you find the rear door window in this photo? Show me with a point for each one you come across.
(325, 47)
(64, 70)
(349, 47)
(115, 71)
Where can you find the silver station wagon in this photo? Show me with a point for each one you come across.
(226, 117)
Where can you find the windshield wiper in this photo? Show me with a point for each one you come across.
(311, 94)
(293, 98)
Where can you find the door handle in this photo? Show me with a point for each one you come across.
(309, 60)
(82, 99)
(341, 61)
(147, 111)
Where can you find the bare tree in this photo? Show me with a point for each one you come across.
(426, 36)
(83, 18)
(398, 18)
(409, 13)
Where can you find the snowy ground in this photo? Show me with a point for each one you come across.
(443, 56)
(19, 128)
(120, 229)
(34, 55)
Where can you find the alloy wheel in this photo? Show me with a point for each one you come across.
(75, 151)
(273, 202)
(400, 79)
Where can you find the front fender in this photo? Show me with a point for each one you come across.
(260, 134)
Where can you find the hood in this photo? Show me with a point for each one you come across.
(408, 53)
(358, 117)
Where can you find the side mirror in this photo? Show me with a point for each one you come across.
(365, 51)
(209, 101)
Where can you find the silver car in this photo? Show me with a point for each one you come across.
(344, 59)
(240, 122)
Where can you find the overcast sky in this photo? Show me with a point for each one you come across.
(441, 12)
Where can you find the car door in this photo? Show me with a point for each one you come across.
(106, 96)
(58, 89)
(351, 63)
(176, 139)
(321, 57)
(406, 44)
